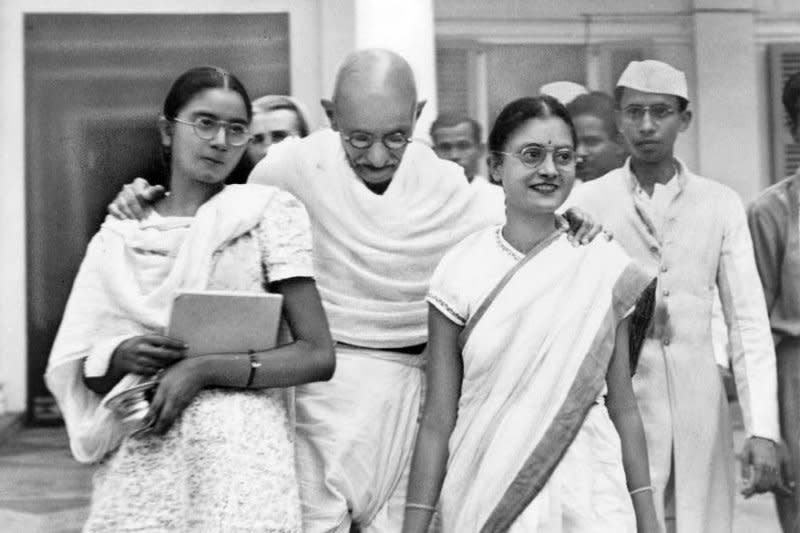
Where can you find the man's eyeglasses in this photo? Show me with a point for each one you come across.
(635, 113)
(236, 134)
(393, 141)
(532, 156)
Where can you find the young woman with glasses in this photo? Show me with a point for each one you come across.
(219, 454)
(530, 423)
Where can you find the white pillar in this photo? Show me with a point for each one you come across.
(406, 28)
(726, 103)
(13, 302)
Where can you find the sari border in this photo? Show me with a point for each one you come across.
(473, 321)
(588, 382)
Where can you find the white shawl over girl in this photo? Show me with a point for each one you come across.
(107, 305)
(535, 353)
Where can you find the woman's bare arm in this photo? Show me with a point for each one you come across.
(443, 388)
(624, 413)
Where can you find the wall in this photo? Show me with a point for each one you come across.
(665, 30)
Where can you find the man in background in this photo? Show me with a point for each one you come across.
(690, 232)
(601, 147)
(457, 138)
(775, 226)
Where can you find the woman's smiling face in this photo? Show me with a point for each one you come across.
(531, 188)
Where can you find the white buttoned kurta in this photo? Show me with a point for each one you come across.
(701, 242)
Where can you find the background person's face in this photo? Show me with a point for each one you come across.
(270, 127)
(458, 145)
(651, 140)
(598, 152)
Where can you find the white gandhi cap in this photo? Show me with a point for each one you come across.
(563, 91)
(652, 76)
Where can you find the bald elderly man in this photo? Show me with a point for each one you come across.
(383, 211)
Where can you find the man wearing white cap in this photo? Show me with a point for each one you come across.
(563, 91)
(692, 233)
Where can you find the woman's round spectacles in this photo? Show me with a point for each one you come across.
(236, 133)
(533, 156)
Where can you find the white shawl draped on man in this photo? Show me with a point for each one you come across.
(532, 437)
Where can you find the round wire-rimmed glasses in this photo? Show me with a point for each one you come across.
(236, 133)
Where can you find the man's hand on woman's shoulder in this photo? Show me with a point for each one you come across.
(135, 199)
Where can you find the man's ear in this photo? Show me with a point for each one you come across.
(420, 107)
(329, 108)
(618, 123)
(686, 119)
(493, 163)
(165, 130)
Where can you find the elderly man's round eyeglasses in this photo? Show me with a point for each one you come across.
(532, 156)
(658, 112)
(236, 133)
(361, 141)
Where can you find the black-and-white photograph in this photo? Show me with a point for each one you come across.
(400, 266)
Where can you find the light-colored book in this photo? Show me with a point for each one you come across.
(225, 321)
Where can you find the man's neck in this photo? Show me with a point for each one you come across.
(648, 174)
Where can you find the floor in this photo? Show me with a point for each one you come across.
(43, 490)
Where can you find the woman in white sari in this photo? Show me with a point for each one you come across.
(220, 456)
(530, 423)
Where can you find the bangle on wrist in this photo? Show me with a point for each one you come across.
(421, 507)
(254, 364)
(646, 488)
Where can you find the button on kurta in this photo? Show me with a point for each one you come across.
(664, 268)
(666, 342)
(665, 292)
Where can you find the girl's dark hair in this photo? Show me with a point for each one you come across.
(190, 84)
(518, 112)
(791, 100)
(199, 79)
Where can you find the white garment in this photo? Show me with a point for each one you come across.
(374, 254)
(704, 243)
(373, 258)
(656, 204)
(521, 363)
(106, 306)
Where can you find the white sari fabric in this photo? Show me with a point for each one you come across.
(534, 449)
